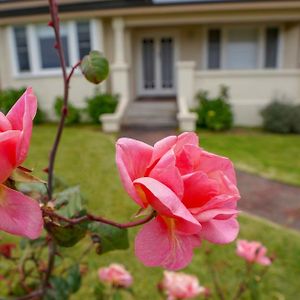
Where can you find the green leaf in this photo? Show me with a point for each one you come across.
(95, 67)
(59, 289)
(22, 176)
(109, 237)
(62, 288)
(66, 236)
(33, 189)
(74, 278)
(69, 202)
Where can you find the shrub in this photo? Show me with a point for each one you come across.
(277, 117)
(9, 97)
(296, 119)
(101, 104)
(73, 116)
(214, 113)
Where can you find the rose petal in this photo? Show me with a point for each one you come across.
(4, 123)
(132, 158)
(21, 116)
(9, 141)
(19, 214)
(154, 246)
(166, 203)
(211, 162)
(162, 147)
(219, 214)
(185, 138)
(198, 189)
(165, 171)
(189, 159)
(220, 231)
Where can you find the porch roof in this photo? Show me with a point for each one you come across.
(21, 8)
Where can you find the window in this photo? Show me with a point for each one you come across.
(37, 42)
(48, 54)
(240, 48)
(84, 38)
(214, 48)
(21, 48)
(271, 50)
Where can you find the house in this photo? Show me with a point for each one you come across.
(159, 48)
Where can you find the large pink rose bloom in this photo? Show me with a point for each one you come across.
(181, 286)
(253, 252)
(19, 214)
(116, 275)
(193, 192)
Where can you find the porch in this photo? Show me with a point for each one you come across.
(156, 57)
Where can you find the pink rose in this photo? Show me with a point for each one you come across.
(193, 192)
(181, 286)
(253, 252)
(116, 275)
(19, 214)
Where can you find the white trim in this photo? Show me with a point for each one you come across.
(34, 53)
(261, 44)
(72, 40)
(247, 73)
(97, 38)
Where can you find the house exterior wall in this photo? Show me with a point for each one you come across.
(46, 86)
(250, 90)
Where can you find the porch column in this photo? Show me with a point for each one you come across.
(119, 68)
(119, 78)
(185, 95)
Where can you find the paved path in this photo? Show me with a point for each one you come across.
(270, 199)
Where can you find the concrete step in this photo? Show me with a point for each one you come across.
(151, 113)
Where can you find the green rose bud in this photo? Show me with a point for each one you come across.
(95, 67)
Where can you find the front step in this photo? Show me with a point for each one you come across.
(151, 114)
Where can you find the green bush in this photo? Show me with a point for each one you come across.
(101, 104)
(277, 117)
(9, 97)
(214, 113)
(296, 119)
(73, 116)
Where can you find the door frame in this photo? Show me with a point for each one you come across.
(155, 34)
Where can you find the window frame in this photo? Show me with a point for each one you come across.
(34, 50)
(224, 29)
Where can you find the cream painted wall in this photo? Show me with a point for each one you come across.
(250, 91)
(291, 47)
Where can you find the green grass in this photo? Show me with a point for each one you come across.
(86, 157)
(273, 156)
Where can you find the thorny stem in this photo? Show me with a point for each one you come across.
(66, 78)
(90, 217)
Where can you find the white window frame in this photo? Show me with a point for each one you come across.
(261, 46)
(34, 52)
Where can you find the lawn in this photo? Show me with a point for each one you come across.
(86, 157)
(273, 156)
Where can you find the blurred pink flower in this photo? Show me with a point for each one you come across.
(253, 252)
(193, 192)
(19, 214)
(181, 286)
(116, 275)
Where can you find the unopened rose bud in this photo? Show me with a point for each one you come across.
(95, 67)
